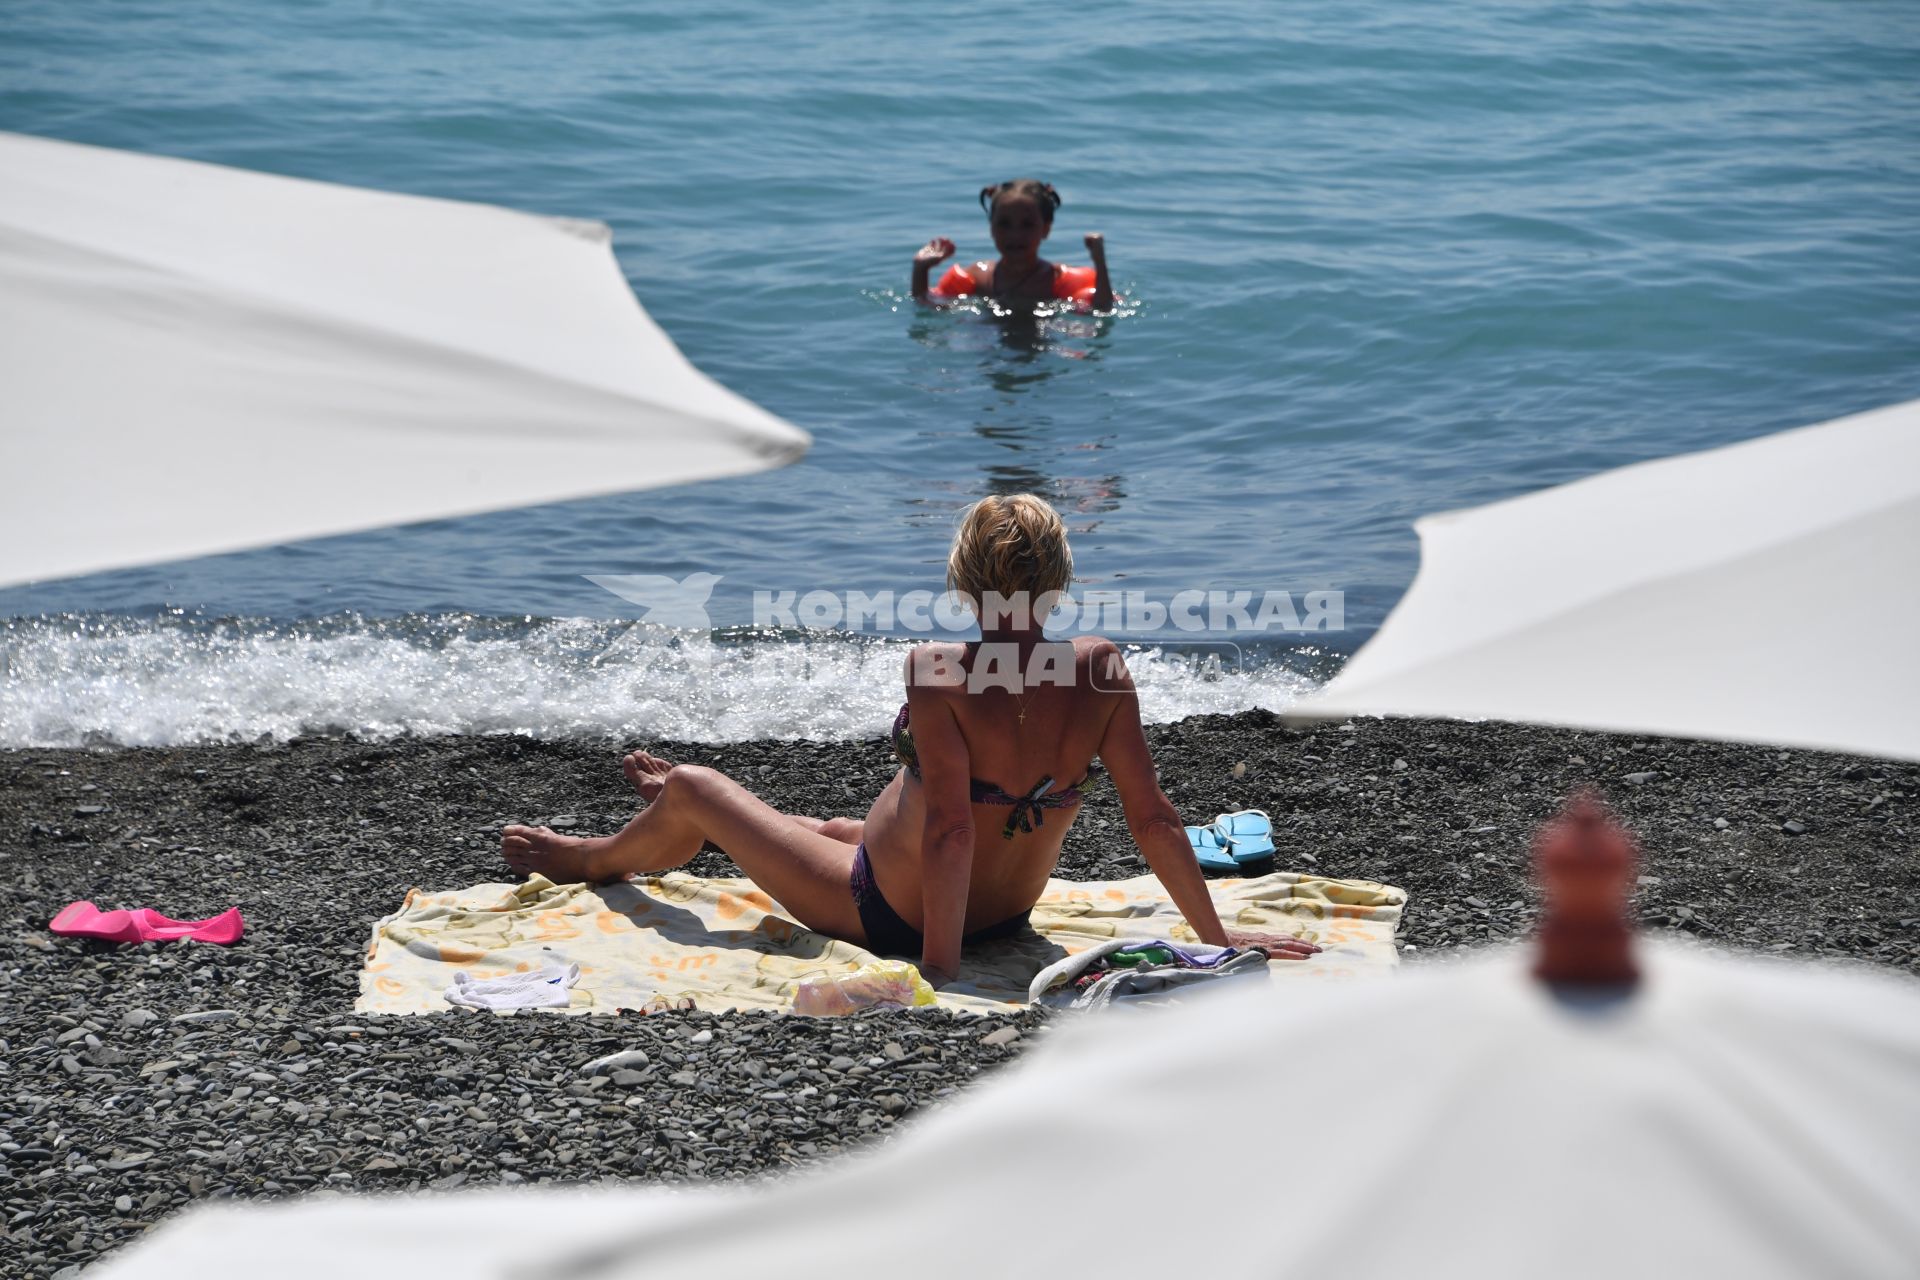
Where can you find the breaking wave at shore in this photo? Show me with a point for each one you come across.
(118, 681)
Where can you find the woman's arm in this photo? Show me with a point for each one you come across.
(946, 843)
(931, 255)
(1102, 283)
(1154, 822)
(1151, 817)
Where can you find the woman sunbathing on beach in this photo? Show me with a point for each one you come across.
(960, 844)
(1020, 214)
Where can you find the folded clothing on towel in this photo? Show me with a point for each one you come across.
(546, 988)
(1173, 953)
(1130, 967)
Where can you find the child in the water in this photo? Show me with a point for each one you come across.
(1020, 214)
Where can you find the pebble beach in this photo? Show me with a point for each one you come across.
(141, 1079)
(1370, 264)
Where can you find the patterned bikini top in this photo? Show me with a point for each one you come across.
(1027, 809)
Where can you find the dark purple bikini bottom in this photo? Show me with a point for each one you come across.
(888, 934)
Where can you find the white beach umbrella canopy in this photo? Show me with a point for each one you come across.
(196, 359)
(1762, 592)
(1730, 1117)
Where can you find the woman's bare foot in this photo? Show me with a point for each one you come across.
(561, 859)
(647, 773)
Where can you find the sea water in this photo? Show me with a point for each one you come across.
(1377, 261)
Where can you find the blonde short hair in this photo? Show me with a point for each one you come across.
(1007, 546)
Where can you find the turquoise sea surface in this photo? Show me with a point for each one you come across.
(1378, 261)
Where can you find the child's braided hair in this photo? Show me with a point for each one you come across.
(1041, 193)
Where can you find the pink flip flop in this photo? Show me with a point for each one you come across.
(144, 924)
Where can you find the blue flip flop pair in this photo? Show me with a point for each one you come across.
(1232, 840)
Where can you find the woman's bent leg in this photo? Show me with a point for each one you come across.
(805, 870)
(648, 774)
(845, 830)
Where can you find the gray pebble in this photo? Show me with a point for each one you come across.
(624, 1058)
(757, 1095)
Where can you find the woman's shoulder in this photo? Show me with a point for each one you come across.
(935, 666)
(1099, 661)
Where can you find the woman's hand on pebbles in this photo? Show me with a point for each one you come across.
(935, 251)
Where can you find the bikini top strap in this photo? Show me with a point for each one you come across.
(1028, 812)
(903, 748)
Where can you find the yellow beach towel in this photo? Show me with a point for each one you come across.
(727, 945)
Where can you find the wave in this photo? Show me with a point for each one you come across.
(104, 681)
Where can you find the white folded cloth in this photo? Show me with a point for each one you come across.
(546, 988)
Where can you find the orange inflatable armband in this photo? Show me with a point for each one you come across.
(1075, 284)
(957, 283)
(1070, 284)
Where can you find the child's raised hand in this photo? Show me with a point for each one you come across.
(935, 251)
(1096, 245)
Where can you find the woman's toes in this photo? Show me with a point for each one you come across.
(517, 843)
(647, 773)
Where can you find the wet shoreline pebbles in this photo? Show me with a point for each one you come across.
(140, 1079)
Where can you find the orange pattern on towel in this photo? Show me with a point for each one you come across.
(727, 945)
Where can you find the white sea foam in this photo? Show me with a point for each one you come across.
(81, 682)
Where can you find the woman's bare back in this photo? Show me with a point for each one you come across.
(969, 726)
